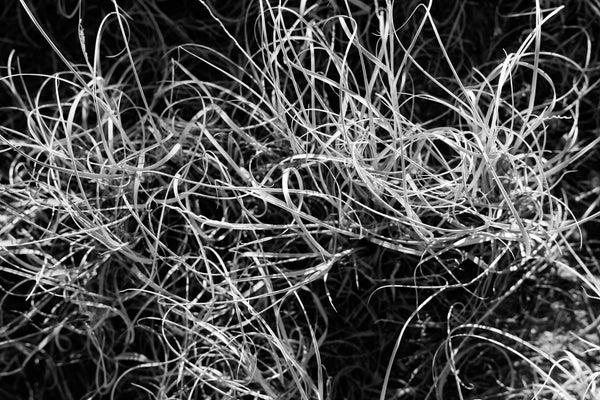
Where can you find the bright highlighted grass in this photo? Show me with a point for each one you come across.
(300, 200)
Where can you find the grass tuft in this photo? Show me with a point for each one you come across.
(299, 200)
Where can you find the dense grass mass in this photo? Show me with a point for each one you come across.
(264, 199)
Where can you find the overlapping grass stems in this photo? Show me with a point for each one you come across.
(303, 200)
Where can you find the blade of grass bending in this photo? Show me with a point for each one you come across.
(388, 371)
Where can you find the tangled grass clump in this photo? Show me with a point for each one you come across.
(323, 200)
